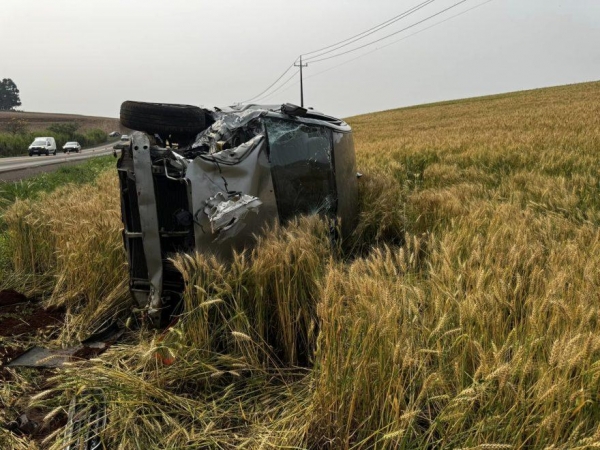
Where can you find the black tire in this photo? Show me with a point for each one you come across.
(178, 121)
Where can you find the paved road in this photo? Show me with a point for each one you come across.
(16, 168)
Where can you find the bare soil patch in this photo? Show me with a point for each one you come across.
(40, 121)
(17, 320)
(11, 297)
(20, 320)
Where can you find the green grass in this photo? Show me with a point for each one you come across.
(17, 144)
(32, 188)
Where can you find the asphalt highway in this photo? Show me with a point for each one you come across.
(19, 167)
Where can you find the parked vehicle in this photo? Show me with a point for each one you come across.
(72, 146)
(235, 171)
(43, 146)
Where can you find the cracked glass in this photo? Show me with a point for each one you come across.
(302, 168)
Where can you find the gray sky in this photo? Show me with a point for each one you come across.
(86, 57)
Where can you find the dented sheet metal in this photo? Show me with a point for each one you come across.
(216, 175)
(226, 127)
(225, 211)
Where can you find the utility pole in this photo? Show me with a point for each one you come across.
(301, 82)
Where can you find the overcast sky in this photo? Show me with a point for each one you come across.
(86, 57)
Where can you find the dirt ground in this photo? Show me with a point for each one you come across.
(23, 323)
(41, 121)
(20, 316)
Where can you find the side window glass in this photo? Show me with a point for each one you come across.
(302, 168)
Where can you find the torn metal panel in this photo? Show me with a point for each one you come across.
(225, 211)
(229, 130)
(212, 175)
(42, 357)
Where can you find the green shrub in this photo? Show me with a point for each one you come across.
(12, 144)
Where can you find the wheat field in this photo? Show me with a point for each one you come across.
(463, 314)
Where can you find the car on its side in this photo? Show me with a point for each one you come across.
(235, 171)
(43, 146)
(72, 146)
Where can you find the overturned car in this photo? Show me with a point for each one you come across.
(211, 180)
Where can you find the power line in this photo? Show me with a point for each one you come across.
(273, 84)
(351, 40)
(392, 34)
(377, 28)
(384, 46)
(401, 39)
(280, 87)
(368, 32)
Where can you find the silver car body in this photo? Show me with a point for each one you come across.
(252, 166)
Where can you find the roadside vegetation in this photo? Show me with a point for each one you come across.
(71, 176)
(33, 189)
(16, 141)
(464, 314)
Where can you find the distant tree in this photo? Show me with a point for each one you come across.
(9, 95)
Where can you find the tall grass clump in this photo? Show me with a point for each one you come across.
(72, 237)
(270, 293)
(369, 375)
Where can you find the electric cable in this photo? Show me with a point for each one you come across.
(273, 84)
(280, 87)
(401, 39)
(389, 35)
(386, 45)
(368, 32)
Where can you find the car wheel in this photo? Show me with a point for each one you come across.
(31, 154)
(179, 121)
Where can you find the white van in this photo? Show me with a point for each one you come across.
(43, 146)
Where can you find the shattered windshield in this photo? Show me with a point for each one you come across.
(302, 168)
